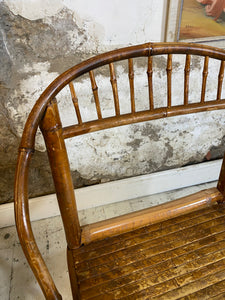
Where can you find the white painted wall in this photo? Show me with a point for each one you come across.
(115, 22)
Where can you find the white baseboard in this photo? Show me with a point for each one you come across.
(120, 190)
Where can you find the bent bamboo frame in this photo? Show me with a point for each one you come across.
(38, 112)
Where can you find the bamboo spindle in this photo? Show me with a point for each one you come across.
(186, 78)
(220, 80)
(114, 88)
(95, 93)
(131, 81)
(169, 79)
(75, 102)
(204, 78)
(150, 85)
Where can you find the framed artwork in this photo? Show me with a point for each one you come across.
(200, 21)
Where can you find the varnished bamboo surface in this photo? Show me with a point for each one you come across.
(141, 116)
(141, 285)
(128, 222)
(180, 258)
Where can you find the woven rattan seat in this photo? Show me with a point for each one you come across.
(180, 257)
(171, 251)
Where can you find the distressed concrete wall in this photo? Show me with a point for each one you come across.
(41, 39)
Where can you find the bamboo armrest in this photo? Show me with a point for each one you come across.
(25, 232)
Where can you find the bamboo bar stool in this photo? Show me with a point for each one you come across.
(171, 251)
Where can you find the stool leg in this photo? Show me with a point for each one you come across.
(73, 276)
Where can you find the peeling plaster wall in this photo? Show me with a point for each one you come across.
(40, 39)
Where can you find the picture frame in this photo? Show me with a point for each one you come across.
(173, 27)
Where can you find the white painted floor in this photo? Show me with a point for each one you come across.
(16, 279)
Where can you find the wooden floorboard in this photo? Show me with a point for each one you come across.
(182, 258)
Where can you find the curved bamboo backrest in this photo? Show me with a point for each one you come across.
(149, 50)
(151, 113)
(45, 114)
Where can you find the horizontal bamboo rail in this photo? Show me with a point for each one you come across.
(128, 222)
(141, 116)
